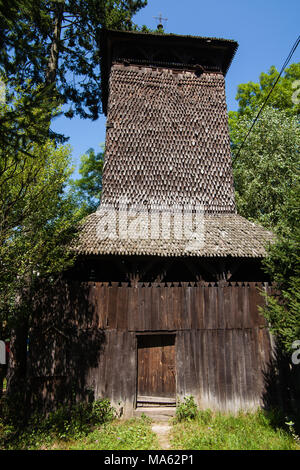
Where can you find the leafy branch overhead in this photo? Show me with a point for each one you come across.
(56, 43)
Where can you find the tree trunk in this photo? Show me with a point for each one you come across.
(2, 367)
(17, 364)
(54, 49)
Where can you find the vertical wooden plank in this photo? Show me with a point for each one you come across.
(212, 371)
(132, 308)
(256, 366)
(220, 305)
(147, 308)
(206, 367)
(234, 405)
(153, 312)
(220, 367)
(188, 381)
(232, 304)
(168, 366)
(240, 320)
(246, 316)
(117, 365)
(122, 308)
(180, 364)
(211, 317)
(163, 320)
(199, 369)
(171, 321)
(198, 305)
(176, 307)
(261, 302)
(248, 366)
(207, 308)
(139, 320)
(99, 305)
(108, 365)
(194, 363)
(185, 307)
(112, 306)
(229, 371)
(240, 350)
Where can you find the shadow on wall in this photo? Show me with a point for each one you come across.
(282, 387)
(64, 344)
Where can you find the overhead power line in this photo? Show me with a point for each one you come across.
(273, 86)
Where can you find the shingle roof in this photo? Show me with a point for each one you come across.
(223, 235)
(167, 177)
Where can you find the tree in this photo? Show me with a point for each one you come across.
(267, 167)
(56, 43)
(37, 222)
(285, 95)
(25, 114)
(266, 176)
(283, 309)
(88, 187)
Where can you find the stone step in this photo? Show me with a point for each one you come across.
(159, 413)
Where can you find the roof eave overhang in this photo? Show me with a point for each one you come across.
(166, 50)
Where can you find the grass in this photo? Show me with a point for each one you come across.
(245, 431)
(95, 427)
(133, 434)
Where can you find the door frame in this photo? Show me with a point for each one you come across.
(152, 333)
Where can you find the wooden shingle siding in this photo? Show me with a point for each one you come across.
(168, 143)
(224, 235)
(168, 150)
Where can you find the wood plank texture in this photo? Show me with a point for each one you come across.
(222, 352)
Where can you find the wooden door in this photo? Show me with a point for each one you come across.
(156, 366)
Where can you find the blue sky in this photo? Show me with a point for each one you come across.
(265, 30)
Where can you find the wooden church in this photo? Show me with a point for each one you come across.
(163, 301)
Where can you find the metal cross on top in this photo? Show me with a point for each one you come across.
(160, 19)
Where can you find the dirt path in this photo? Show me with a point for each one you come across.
(162, 430)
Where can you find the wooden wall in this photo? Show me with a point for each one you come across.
(223, 348)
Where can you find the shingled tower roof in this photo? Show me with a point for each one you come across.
(167, 147)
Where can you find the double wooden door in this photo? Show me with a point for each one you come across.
(156, 366)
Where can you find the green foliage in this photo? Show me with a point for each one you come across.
(267, 167)
(77, 428)
(67, 422)
(37, 217)
(88, 187)
(251, 96)
(56, 42)
(245, 431)
(282, 263)
(186, 409)
(25, 114)
(267, 186)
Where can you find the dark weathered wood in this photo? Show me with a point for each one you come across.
(222, 350)
(156, 366)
